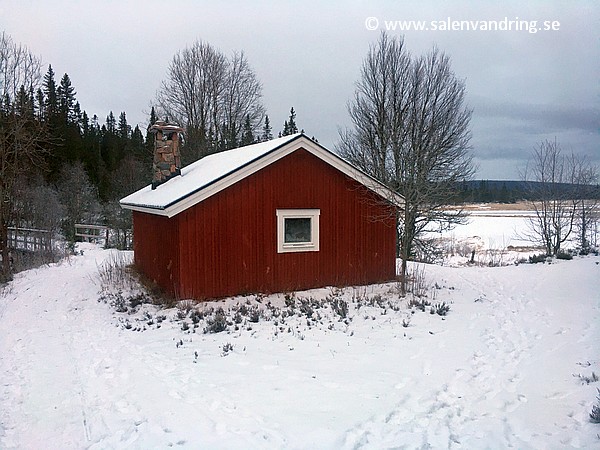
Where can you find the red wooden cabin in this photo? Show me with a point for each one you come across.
(277, 216)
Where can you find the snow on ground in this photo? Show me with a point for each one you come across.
(497, 228)
(500, 370)
(498, 237)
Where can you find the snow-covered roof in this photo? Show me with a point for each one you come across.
(218, 171)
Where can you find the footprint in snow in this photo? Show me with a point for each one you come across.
(427, 367)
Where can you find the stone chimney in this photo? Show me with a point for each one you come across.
(167, 159)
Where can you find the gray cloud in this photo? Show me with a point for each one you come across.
(547, 118)
(523, 87)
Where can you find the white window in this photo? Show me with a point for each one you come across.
(298, 230)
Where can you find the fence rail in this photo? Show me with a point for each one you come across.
(91, 233)
(29, 239)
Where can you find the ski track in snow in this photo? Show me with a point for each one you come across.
(75, 344)
(475, 406)
(497, 373)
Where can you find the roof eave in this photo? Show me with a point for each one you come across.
(201, 193)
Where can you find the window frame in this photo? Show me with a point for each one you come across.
(312, 245)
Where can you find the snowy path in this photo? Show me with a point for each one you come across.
(61, 371)
(502, 382)
(72, 378)
(496, 373)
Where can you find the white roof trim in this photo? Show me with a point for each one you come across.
(265, 155)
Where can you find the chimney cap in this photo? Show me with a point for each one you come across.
(160, 125)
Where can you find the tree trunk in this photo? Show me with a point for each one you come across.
(6, 269)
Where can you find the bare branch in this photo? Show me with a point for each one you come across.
(411, 132)
(211, 96)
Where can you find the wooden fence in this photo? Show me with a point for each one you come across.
(91, 233)
(29, 239)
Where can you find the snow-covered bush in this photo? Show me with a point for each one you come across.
(534, 259)
(113, 272)
(564, 255)
(419, 303)
(217, 322)
(441, 309)
(417, 283)
(254, 314)
(587, 380)
(595, 414)
(124, 288)
(186, 306)
(228, 347)
(340, 307)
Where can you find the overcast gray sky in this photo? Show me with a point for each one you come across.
(523, 86)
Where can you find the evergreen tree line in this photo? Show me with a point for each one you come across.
(85, 164)
(116, 158)
(490, 191)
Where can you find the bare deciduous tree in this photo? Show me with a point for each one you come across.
(588, 214)
(411, 132)
(241, 101)
(211, 96)
(79, 199)
(560, 192)
(37, 206)
(21, 135)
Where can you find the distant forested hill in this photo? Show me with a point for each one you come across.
(506, 191)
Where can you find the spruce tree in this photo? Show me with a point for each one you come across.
(138, 145)
(292, 128)
(289, 126)
(267, 133)
(247, 134)
(77, 115)
(111, 123)
(51, 99)
(149, 136)
(66, 100)
(85, 124)
(124, 128)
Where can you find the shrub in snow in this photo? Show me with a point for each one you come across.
(441, 309)
(138, 299)
(226, 349)
(564, 255)
(419, 303)
(416, 283)
(127, 324)
(587, 380)
(216, 323)
(254, 314)
(340, 307)
(290, 300)
(496, 257)
(113, 272)
(116, 300)
(534, 259)
(306, 307)
(377, 300)
(237, 318)
(196, 316)
(595, 414)
(186, 305)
